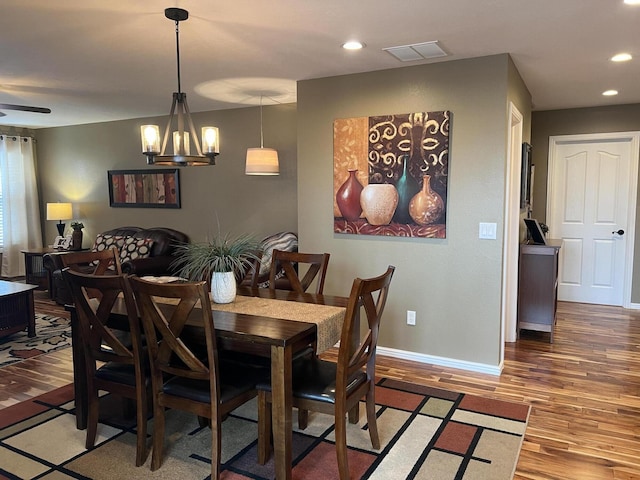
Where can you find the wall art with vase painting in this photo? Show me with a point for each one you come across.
(390, 174)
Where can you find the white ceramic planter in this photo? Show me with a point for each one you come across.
(223, 287)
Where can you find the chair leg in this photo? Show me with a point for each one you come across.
(141, 419)
(158, 437)
(216, 439)
(264, 428)
(341, 444)
(303, 418)
(371, 418)
(92, 417)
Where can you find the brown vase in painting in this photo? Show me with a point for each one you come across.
(426, 206)
(348, 197)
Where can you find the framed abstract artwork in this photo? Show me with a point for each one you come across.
(390, 174)
(144, 188)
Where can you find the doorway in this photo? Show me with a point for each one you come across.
(591, 206)
(509, 307)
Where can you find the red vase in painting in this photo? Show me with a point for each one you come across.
(348, 197)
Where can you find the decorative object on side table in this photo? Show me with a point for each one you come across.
(224, 259)
(76, 235)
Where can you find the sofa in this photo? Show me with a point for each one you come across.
(143, 251)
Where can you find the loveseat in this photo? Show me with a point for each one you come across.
(143, 251)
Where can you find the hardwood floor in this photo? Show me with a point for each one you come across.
(38, 375)
(584, 390)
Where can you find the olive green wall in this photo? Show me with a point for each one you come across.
(73, 163)
(453, 284)
(615, 118)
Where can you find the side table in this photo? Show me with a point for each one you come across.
(34, 271)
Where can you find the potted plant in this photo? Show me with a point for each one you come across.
(223, 259)
(76, 235)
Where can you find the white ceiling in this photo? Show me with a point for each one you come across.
(96, 60)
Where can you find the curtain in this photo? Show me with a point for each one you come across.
(20, 206)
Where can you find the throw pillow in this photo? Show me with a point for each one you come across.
(104, 242)
(287, 241)
(133, 248)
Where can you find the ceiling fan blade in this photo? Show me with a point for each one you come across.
(24, 108)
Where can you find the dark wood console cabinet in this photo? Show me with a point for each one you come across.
(538, 286)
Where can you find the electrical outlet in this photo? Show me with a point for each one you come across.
(411, 317)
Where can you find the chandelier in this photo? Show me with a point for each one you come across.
(150, 134)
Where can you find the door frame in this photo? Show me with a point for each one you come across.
(634, 139)
(511, 237)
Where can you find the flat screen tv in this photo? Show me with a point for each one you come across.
(535, 231)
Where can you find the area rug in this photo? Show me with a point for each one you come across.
(425, 432)
(52, 333)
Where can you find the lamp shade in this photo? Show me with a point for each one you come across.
(59, 211)
(262, 161)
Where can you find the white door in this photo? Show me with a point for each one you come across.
(592, 186)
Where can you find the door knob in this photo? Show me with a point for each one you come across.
(619, 232)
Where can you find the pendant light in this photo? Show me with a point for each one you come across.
(262, 161)
(150, 134)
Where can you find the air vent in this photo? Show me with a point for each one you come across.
(416, 51)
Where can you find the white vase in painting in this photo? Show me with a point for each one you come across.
(223, 287)
(379, 202)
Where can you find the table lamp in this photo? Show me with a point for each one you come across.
(59, 211)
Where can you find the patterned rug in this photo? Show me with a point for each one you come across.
(52, 333)
(426, 433)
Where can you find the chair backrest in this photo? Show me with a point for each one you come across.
(289, 262)
(102, 343)
(359, 349)
(104, 261)
(165, 309)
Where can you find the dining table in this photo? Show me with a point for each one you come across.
(260, 322)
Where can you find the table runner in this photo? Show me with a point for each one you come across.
(328, 319)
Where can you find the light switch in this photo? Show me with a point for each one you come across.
(488, 231)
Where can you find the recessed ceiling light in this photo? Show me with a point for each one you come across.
(632, 2)
(610, 93)
(353, 45)
(621, 57)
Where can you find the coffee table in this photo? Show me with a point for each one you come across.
(16, 308)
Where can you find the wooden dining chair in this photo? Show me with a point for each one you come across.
(335, 388)
(96, 263)
(114, 362)
(104, 262)
(289, 263)
(180, 378)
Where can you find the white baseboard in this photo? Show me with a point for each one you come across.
(633, 306)
(440, 361)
